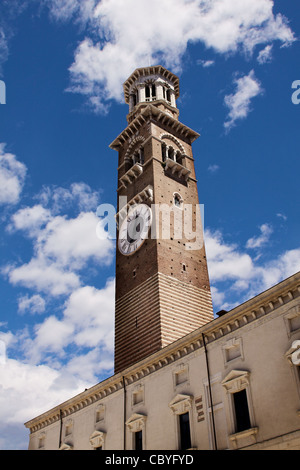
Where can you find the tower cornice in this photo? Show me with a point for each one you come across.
(152, 70)
(161, 117)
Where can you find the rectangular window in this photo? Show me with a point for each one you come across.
(185, 433)
(138, 440)
(241, 411)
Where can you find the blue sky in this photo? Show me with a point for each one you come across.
(63, 63)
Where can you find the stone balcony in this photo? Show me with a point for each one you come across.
(131, 175)
(177, 169)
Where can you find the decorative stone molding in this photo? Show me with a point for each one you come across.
(236, 380)
(41, 440)
(181, 375)
(232, 350)
(138, 395)
(66, 447)
(146, 114)
(293, 354)
(97, 439)
(292, 320)
(131, 175)
(157, 71)
(136, 422)
(249, 433)
(177, 168)
(142, 196)
(181, 404)
(173, 138)
(100, 413)
(134, 141)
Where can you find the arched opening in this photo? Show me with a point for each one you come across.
(178, 201)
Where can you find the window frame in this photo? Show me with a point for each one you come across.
(236, 381)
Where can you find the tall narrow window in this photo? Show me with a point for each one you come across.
(169, 95)
(171, 153)
(241, 408)
(185, 433)
(150, 92)
(147, 93)
(179, 158)
(138, 440)
(153, 91)
(164, 152)
(142, 156)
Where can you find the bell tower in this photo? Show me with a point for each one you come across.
(162, 283)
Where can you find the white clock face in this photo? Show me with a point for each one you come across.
(134, 230)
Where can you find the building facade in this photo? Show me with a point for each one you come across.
(183, 379)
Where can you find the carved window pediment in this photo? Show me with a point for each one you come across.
(65, 447)
(181, 404)
(97, 439)
(293, 354)
(136, 422)
(236, 380)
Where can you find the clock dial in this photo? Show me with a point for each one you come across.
(134, 230)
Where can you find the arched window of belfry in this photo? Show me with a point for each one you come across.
(171, 153)
(168, 95)
(164, 151)
(150, 92)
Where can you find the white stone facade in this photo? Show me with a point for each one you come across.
(251, 351)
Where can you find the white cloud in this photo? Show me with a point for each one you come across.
(92, 312)
(78, 195)
(51, 336)
(205, 63)
(44, 276)
(126, 40)
(247, 88)
(236, 277)
(89, 366)
(257, 242)
(282, 216)
(225, 261)
(65, 9)
(62, 246)
(34, 304)
(12, 177)
(73, 242)
(26, 391)
(265, 55)
(30, 219)
(280, 268)
(213, 168)
(87, 322)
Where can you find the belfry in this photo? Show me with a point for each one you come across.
(162, 284)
